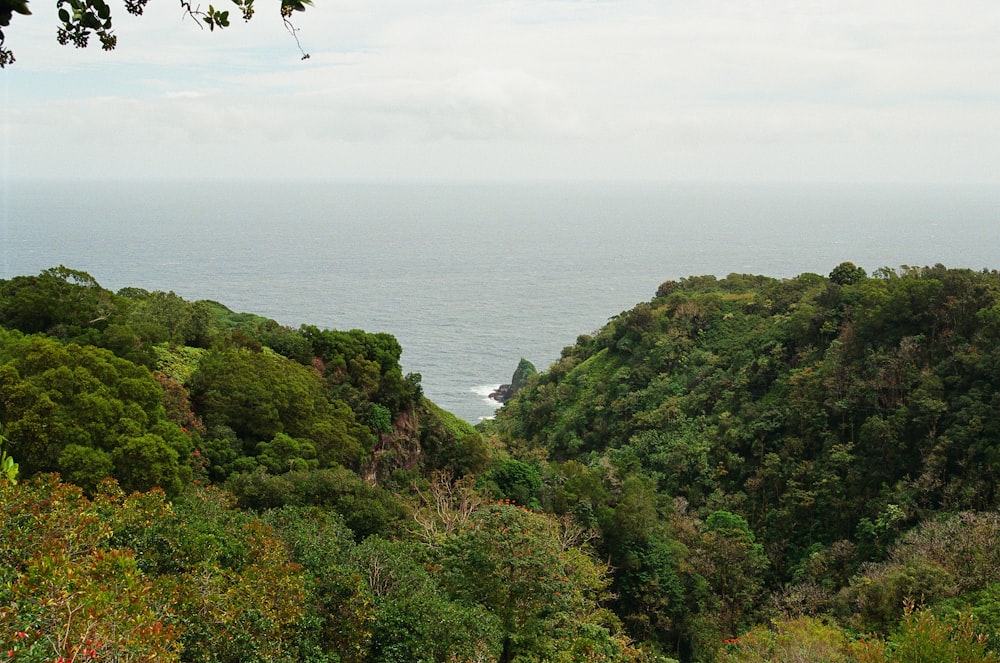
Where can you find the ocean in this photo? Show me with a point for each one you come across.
(472, 277)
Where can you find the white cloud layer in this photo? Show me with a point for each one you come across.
(716, 90)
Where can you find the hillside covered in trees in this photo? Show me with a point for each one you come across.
(740, 469)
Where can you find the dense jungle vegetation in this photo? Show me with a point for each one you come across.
(741, 469)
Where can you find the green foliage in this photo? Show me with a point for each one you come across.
(233, 591)
(284, 453)
(984, 606)
(544, 596)
(516, 481)
(813, 403)
(847, 273)
(66, 593)
(60, 301)
(7, 11)
(365, 508)
(254, 393)
(415, 619)
(259, 395)
(922, 636)
(344, 605)
(166, 318)
(803, 426)
(650, 588)
(380, 419)
(943, 559)
(525, 369)
(449, 443)
(362, 367)
(72, 408)
(798, 640)
(242, 391)
(736, 451)
(147, 461)
(8, 468)
(85, 466)
(731, 562)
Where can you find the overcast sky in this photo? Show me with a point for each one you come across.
(676, 90)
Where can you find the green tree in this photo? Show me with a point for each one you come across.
(415, 620)
(284, 453)
(59, 301)
(87, 467)
(73, 408)
(344, 605)
(518, 481)
(229, 585)
(732, 562)
(366, 509)
(511, 562)
(146, 462)
(847, 273)
(449, 443)
(261, 394)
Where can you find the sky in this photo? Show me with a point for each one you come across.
(844, 91)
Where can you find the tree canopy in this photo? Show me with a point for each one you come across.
(740, 469)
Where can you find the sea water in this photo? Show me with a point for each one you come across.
(472, 277)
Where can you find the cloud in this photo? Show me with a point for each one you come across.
(516, 87)
(482, 104)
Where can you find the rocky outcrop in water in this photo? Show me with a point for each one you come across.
(525, 369)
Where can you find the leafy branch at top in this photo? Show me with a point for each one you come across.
(80, 19)
(7, 10)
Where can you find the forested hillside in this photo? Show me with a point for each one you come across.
(741, 469)
(755, 449)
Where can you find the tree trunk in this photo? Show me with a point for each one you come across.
(507, 655)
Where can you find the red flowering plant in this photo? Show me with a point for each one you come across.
(66, 593)
(177, 404)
